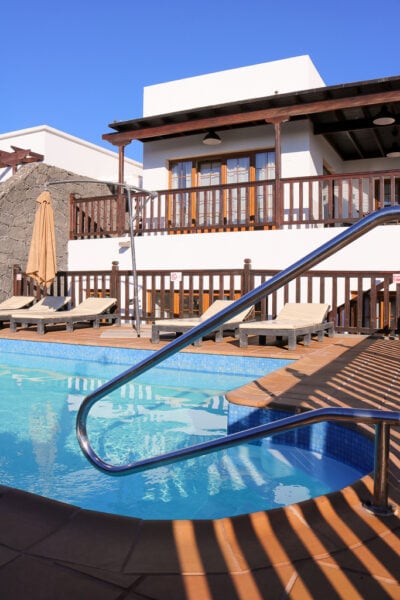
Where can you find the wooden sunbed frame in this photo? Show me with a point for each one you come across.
(296, 319)
(91, 310)
(179, 326)
(292, 333)
(42, 322)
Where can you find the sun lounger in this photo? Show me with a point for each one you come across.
(45, 305)
(294, 321)
(179, 326)
(91, 310)
(16, 302)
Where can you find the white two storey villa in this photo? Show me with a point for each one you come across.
(252, 168)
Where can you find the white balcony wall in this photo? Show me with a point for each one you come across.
(275, 249)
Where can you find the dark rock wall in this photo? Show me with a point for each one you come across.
(17, 212)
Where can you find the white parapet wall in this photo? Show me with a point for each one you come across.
(243, 83)
(70, 153)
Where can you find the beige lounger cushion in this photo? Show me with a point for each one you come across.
(16, 303)
(182, 325)
(44, 306)
(295, 319)
(90, 309)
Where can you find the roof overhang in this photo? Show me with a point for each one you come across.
(342, 114)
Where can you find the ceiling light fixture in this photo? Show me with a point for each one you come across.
(211, 139)
(384, 117)
(394, 152)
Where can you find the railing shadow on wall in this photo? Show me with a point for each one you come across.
(360, 302)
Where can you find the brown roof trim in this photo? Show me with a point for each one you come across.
(272, 108)
(282, 113)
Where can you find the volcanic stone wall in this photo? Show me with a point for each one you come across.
(17, 212)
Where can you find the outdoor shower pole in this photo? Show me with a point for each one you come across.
(128, 188)
(134, 271)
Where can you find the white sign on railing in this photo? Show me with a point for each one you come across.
(396, 277)
(176, 276)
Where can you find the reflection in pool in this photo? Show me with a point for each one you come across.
(163, 410)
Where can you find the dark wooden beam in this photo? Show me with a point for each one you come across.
(356, 146)
(270, 114)
(342, 126)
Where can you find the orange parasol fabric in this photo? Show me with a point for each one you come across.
(42, 264)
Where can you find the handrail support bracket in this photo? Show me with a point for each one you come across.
(379, 505)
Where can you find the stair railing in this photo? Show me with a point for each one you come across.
(385, 215)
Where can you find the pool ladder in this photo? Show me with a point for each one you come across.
(382, 420)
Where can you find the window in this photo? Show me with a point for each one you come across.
(209, 208)
(231, 196)
(180, 211)
(181, 174)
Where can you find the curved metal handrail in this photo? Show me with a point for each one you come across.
(380, 418)
(309, 417)
(384, 215)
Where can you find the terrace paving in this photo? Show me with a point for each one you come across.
(328, 547)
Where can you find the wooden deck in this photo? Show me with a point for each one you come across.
(328, 547)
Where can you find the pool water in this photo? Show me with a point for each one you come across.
(164, 409)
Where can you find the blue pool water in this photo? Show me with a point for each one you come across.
(177, 404)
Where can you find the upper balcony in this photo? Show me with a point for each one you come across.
(336, 127)
(320, 201)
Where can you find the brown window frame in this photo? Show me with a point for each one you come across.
(222, 158)
(195, 168)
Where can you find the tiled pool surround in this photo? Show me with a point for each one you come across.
(328, 544)
(125, 356)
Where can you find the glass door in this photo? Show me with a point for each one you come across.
(238, 172)
(208, 205)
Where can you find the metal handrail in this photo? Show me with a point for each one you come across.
(344, 238)
(380, 418)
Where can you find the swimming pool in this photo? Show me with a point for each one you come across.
(178, 404)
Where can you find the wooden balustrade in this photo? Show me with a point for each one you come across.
(320, 201)
(361, 303)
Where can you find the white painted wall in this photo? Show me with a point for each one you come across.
(296, 141)
(70, 153)
(255, 81)
(156, 155)
(277, 249)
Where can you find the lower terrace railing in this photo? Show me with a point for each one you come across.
(320, 201)
(360, 302)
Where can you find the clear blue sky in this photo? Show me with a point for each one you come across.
(79, 65)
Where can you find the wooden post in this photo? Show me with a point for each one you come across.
(16, 281)
(114, 287)
(278, 169)
(121, 161)
(72, 218)
(246, 276)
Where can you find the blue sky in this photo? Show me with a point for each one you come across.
(79, 65)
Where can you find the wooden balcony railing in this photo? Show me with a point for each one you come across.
(323, 201)
(361, 303)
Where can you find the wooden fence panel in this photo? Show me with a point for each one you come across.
(360, 303)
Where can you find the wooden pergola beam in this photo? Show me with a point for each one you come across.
(19, 156)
